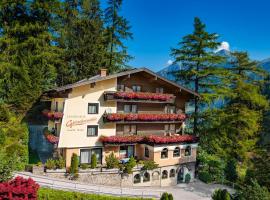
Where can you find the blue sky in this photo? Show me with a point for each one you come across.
(158, 25)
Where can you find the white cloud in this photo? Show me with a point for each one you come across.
(224, 45)
(169, 62)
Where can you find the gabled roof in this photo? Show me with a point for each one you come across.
(98, 78)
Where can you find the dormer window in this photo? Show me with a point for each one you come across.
(136, 88)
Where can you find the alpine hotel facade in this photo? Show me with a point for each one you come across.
(133, 113)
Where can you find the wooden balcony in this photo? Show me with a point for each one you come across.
(139, 97)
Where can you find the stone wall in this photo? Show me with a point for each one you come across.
(154, 177)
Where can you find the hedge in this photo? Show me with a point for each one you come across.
(50, 194)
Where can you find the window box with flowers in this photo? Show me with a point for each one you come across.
(119, 117)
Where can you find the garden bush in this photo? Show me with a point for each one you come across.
(205, 177)
(60, 163)
(149, 165)
(111, 161)
(187, 178)
(19, 188)
(84, 166)
(220, 194)
(74, 167)
(50, 164)
(50, 194)
(230, 171)
(166, 196)
(93, 161)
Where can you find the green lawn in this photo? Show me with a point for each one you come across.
(50, 194)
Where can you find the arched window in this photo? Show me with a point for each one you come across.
(137, 178)
(146, 152)
(188, 151)
(164, 153)
(176, 152)
(164, 174)
(146, 177)
(172, 173)
(155, 176)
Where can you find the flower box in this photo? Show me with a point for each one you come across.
(52, 114)
(151, 139)
(143, 96)
(114, 117)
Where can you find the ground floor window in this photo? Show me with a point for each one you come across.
(126, 151)
(85, 155)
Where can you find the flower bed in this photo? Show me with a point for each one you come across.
(151, 139)
(19, 188)
(52, 114)
(143, 96)
(50, 137)
(145, 117)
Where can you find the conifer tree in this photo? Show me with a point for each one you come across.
(117, 31)
(27, 56)
(233, 130)
(200, 65)
(82, 37)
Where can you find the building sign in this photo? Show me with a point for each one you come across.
(73, 122)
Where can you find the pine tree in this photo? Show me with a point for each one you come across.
(117, 31)
(82, 37)
(200, 65)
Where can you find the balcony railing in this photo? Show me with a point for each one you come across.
(144, 97)
(143, 118)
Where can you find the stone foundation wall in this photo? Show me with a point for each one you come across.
(113, 178)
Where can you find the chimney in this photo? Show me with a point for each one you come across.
(103, 72)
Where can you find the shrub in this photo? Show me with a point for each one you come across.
(132, 162)
(220, 194)
(60, 163)
(205, 177)
(39, 164)
(149, 165)
(111, 161)
(230, 171)
(74, 167)
(253, 192)
(50, 164)
(170, 197)
(166, 196)
(187, 178)
(84, 166)
(19, 188)
(93, 161)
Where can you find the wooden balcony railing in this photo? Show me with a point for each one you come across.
(144, 97)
